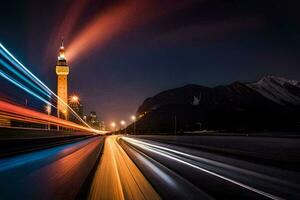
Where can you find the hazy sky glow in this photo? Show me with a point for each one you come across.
(121, 52)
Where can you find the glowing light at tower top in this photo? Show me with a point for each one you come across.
(61, 56)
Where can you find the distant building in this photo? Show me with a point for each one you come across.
(102, 126)
(93, 121)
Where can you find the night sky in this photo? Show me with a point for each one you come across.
(121, 52)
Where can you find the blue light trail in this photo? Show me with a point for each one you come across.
(7, 77)
(22, 77)
(38, 83)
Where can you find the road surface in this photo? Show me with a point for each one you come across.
(117, 177)
(55, 173)
(216, 176)
(155, 167)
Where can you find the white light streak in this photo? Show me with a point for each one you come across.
(36, 80)
(153, 148)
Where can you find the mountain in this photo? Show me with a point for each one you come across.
(270, 103)
(279, 90)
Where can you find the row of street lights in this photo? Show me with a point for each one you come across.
(123, 124)
(48, 109)
(75, 99)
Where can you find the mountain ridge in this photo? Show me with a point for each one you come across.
(238, 105)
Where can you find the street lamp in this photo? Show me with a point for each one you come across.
(48, 110)
(133, 118)
(123, 123)
(113, 126)
(74, 99)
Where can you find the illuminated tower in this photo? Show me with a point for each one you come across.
(62, 71)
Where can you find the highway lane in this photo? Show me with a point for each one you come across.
(140, 168)
(278, 151)
(54, 173)
(117, 177)
(169, 184)
(218, 176)
(14, 146)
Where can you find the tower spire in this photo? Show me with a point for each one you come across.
(62, 41)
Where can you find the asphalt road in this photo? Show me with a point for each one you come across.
(14, 146)
(181, 172)
(54, 173)
(275, 151)
(155, 167)
(117, 177)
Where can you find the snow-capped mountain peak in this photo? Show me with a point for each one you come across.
(279, 80)
(278, 89)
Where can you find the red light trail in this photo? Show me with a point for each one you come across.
(16, 112)
(13, 65)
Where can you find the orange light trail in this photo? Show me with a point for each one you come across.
(20, 113)
(119, 19)
(99, 31)
(35, 81)
(67, 23)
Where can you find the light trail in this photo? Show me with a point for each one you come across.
(22, 118)
(29, 115)
(21, 67)
(58, 172)
(22, 77)
(117, 177)
(37, 81)
(166, 152)
(119, 19)
(7, 77)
